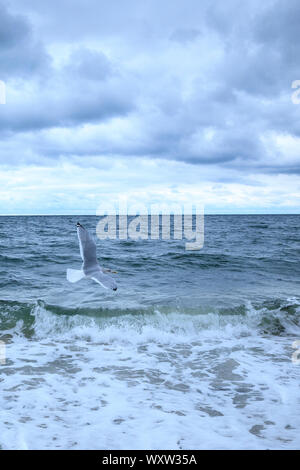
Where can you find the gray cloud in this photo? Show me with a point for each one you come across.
(202, 84)
(88, 64)
(185, 35)
(22, 55)
(76, 94)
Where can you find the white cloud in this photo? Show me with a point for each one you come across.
(69, 188)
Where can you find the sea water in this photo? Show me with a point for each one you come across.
(195, 350)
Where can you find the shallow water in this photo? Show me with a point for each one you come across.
(194, 350)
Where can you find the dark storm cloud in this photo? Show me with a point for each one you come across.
(79, 93)
(199, 82)
(21, 55)
(76, 108)
(14, 29)
(279, 25)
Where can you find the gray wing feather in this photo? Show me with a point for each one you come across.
(87, 247)
(105, 280)
(91, 267)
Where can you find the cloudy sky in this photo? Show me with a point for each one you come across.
(173, 101)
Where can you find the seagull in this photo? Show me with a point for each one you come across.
(90, 266)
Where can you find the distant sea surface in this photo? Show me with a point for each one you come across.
(193, 351)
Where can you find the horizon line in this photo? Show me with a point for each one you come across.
(97, 215)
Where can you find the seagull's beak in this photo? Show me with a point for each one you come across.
(110, 271)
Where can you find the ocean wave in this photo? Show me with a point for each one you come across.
(41, 320)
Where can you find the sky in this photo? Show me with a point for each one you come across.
(179, 101)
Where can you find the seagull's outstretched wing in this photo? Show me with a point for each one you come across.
(87, 247)
(90, 266)
(103, 279)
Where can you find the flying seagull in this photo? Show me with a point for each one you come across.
(90, 266)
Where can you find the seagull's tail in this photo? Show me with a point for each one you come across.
(74, 275)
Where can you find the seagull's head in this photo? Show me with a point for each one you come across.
(78, 225)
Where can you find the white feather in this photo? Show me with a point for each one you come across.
(74, 275)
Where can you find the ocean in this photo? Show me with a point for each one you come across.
(195, 350)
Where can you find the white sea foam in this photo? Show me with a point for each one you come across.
(155, 381)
